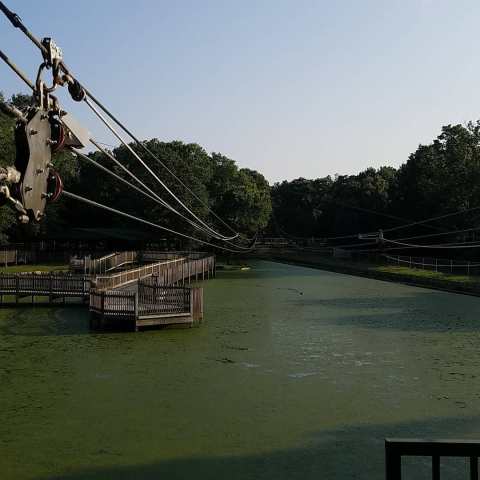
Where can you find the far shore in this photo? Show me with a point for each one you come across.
(463, 284)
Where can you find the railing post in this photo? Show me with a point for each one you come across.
(17, 287)
(435, 467)
(393, 463)
(136, 308)
(473, 468)
(102, 307)
(50, 289)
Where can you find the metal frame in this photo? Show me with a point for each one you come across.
(396, 448)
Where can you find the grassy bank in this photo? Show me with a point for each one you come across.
(393, 273)
(51, 267)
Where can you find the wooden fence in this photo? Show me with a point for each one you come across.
(14, 256)
(444, 265)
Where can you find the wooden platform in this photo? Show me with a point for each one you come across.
(158, 293)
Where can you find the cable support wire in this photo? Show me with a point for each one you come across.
(375, 212)
(73, 196)
(419, 222)
(466, 230)
(152, 195)
(155, 157)
(156, 198)
(130, 149)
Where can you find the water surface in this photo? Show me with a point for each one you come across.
(295, 374)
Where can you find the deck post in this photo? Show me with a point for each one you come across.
(50, 289)
(102, 308)
(136, 312)
(393, 463)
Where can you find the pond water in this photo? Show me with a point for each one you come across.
(296, 373)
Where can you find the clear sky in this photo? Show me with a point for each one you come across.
(289, 88)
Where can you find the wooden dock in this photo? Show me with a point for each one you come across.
(158, 293)
(150, 305)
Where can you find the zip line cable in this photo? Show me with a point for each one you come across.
(156, 198)
(443, 246)
(375, 212)
(162, 202)
(17, 23)
(419, 222)
(473, 229)
(73, 196)
(130, 149)
(459, 212)
(155, 157)
(151, 196)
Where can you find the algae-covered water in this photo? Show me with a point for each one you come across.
(295, 374)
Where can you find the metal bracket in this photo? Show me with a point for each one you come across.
(76, 135)
(33, 160)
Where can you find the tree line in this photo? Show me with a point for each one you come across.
(239, 196)
(438, 178)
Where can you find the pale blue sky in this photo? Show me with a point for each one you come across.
(289, 88)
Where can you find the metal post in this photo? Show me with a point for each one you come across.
(393, 463)
(473, 468)
(435, 467)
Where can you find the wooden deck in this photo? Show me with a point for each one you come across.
(154, 294)
(149, 305)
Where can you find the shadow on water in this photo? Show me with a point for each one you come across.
(347, 453)
(421, 311)
(45, 321)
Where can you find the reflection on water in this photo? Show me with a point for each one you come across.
(295, 374)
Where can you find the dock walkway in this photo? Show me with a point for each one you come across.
(158, 293)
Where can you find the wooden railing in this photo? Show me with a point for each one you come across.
(103, 264)
(133, 275)
(117, 304)
(44, 284)
(154, 300)
(395, 449)
(169, 272)
(149, 301)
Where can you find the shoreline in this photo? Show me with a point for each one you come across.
(357, 270)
